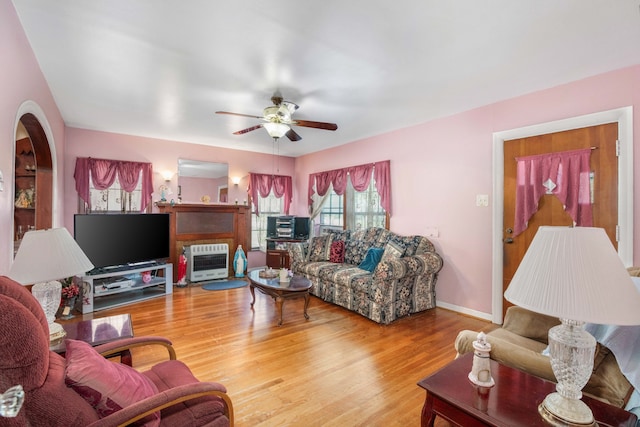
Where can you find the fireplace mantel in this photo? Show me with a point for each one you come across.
(195, 224)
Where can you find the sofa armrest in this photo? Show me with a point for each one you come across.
(397, 268)
(529, 324)
(297, 253)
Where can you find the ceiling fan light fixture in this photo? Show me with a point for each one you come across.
(276, 130)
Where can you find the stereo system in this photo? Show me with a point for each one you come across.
(288, 227)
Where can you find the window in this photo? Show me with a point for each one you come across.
(114, 198)
(267, 206)
(363, 209)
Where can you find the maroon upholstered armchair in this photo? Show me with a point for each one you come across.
(85, 389)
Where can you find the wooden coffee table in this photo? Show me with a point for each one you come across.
(512, 401)
(297, 287)
(96, 332)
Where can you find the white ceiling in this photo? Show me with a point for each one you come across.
(162, 68)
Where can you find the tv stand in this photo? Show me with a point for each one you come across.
(113, 287)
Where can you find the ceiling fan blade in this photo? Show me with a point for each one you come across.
(293, 136)
(238, 114)
(243, 131)
(317, 125)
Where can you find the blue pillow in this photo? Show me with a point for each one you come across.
(371, 259)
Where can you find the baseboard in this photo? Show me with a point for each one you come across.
(464, 310)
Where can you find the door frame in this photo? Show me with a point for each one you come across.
(624, 117)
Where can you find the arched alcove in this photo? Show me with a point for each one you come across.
(33, 177)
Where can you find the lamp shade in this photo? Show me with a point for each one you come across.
(48, 255)
(276, 130)
(575, 273)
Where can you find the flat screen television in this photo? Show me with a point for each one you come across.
(116, 240)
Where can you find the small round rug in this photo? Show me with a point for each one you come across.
(220, 285)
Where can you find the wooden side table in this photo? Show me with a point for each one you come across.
(98, 331)
(512, 401)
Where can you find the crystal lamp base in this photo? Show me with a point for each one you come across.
(559, 411)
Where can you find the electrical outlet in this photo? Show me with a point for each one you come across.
(482, 200)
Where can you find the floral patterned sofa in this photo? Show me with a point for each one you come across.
(374, 272)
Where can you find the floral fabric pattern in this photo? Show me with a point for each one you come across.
(336, 254)
(400, 285)
(319, 248)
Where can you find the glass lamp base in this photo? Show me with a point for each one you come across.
(56, 332)
(559, 411)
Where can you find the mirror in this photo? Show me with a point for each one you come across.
(202, 182)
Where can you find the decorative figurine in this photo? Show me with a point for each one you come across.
(481, 369)
(239, 262)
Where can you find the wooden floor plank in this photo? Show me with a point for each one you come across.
(336, 369)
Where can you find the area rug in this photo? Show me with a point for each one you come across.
(219, 285)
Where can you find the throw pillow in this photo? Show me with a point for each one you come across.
(337, 252)
(371, 259)
(319, 248)
(107, 386)
(392, 250)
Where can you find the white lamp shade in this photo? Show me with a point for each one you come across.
(46, 255)
(575, 273)
(276, 130)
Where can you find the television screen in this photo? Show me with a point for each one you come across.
(121, 239)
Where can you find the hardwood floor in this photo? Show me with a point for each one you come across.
(336, 369)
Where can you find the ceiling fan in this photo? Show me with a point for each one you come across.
(278, 121)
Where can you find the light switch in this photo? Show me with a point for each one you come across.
(482, 200)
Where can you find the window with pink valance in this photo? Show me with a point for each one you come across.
(262, 184)
(360, 177)
(103, 173)
(564, 174)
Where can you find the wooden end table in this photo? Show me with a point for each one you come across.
(297, 287)
(96, 332)
(512, 401)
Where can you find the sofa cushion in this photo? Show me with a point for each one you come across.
(371, 259)
(106, 385)
(336, 254)
(319, 248)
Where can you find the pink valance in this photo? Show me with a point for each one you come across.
(360, 178)
(564, 174)
(262, 184)
(103, 173)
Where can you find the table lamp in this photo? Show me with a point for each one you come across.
(574, 274)
(44, 256)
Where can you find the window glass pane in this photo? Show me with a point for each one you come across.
(268, 206)
(114, 199)
(363, 208)
(331, 215)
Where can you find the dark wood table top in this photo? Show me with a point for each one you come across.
(295, 284)
(96, 331)
(514, 399)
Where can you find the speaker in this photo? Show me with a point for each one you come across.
(271, 227)
(302, 227)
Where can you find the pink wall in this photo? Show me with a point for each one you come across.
(439, 167)
(22, 83)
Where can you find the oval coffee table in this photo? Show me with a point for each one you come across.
(298, 286)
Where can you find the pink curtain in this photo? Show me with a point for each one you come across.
(262, 184)
(564, 174)
(103, 173)
(360, 178)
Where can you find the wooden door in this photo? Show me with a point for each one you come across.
(604, 165)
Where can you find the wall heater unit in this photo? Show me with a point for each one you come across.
(207, 262)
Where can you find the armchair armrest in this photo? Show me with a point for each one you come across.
(166, 399)
(414, 265)
(124, 344)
